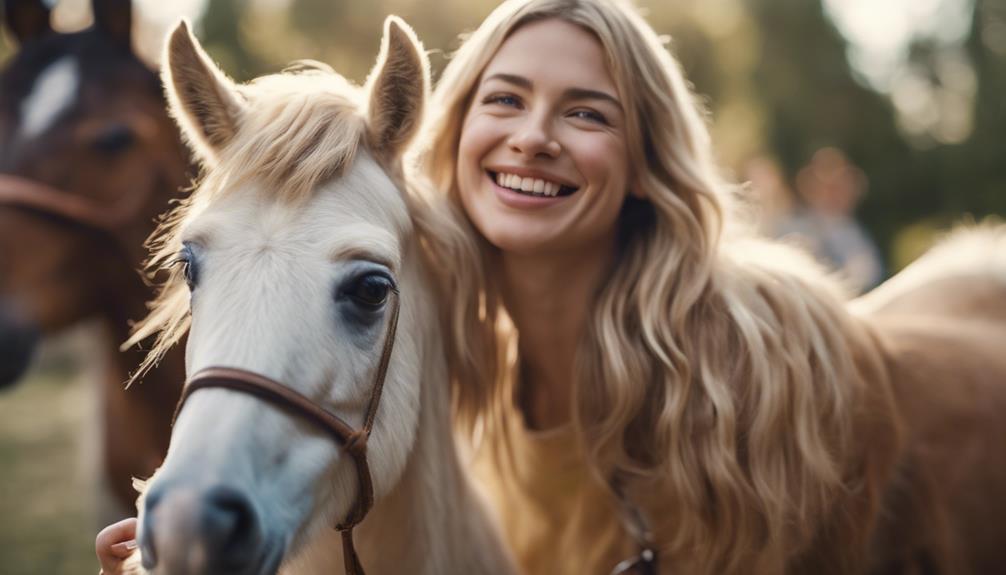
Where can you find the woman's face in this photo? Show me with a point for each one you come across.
(542, 163)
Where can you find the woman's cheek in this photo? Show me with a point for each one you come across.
(601, 160)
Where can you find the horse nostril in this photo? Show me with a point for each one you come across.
(17, 345)
(231, 526)
(188, 529)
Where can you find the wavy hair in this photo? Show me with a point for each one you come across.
(720, 379)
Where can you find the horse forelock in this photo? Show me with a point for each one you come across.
(303, 128)
(53, 93)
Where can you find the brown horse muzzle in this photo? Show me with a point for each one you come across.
(18, 339)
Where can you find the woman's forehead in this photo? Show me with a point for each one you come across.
(553, 51)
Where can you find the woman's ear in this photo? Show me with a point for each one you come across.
(205, 103)
(397, 89)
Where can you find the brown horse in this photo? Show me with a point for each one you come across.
(88, 159)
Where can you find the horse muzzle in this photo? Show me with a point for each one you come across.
(18, 339)
(193, 531)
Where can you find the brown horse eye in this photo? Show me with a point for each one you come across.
(370, 291)
(114, 139)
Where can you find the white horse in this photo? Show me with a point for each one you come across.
(294, 253)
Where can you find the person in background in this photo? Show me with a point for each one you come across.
(831, 188)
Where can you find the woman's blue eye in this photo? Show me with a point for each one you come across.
(503, 99)
(589, 115)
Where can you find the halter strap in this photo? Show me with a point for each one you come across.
(353, 441)
(635, 523)
(34, 195)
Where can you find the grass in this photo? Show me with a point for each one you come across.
(48, 476)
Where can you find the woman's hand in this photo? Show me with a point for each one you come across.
(114, 544)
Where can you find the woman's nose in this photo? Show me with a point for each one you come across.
(534, 138)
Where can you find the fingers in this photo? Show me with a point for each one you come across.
(115, 543)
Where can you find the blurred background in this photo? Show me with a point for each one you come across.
(865, 127)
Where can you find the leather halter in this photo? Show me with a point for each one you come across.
(635, 523)
(353, 441)
(33, 195)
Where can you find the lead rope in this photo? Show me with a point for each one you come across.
(635, 523)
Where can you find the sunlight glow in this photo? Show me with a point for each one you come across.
(880, 33)
(934, 97)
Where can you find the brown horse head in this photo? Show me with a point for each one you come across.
(88, 159)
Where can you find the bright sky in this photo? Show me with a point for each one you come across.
(167, 12)
(880, 31)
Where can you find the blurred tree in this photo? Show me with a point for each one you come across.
(220, 32)
(983, 159)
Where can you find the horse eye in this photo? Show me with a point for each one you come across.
(114, 139)
(369, 291)
(187, 260)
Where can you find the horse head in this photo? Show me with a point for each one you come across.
(291, 260)
(88, 158)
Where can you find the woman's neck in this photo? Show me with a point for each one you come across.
(548, 298)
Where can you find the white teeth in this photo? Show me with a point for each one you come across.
(534, 185)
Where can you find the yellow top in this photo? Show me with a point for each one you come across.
(556, 516)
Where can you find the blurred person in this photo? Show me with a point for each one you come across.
(831, 188)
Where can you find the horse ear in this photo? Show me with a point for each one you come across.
(202, 99)
(114, 18)
(397, 86)
(27, 19)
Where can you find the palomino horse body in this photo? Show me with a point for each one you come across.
(296, 249)
(88, 159)
(941, 328)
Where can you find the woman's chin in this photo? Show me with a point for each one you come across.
(521, 242)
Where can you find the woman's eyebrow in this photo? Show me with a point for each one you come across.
(568, 94)
(511, 79)
(587, 94)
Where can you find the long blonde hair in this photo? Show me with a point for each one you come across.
(718, 374)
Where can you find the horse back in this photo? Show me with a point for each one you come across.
(944, 344)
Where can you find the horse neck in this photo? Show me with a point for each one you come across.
(136, 422)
